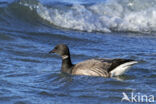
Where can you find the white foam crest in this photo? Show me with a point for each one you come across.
(113, 15)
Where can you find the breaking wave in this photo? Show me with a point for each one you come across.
(109, 16)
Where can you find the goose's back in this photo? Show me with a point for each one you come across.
(92, 67)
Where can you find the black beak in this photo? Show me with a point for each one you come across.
(52, 51)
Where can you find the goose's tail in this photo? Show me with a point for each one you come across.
(119, 70)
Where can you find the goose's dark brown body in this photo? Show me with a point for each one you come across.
(92, 67)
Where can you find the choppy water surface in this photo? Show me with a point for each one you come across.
(29, 29)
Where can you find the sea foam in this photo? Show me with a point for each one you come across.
(111, 15)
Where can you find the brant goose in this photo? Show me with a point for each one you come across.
(92, 67)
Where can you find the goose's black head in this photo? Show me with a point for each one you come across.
(61, 49)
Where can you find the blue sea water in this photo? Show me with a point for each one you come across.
(29, 29)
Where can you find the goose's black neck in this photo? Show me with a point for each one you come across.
(67, 65)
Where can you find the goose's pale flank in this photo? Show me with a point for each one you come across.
(92, 67)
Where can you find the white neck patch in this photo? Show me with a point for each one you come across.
(65, 56)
